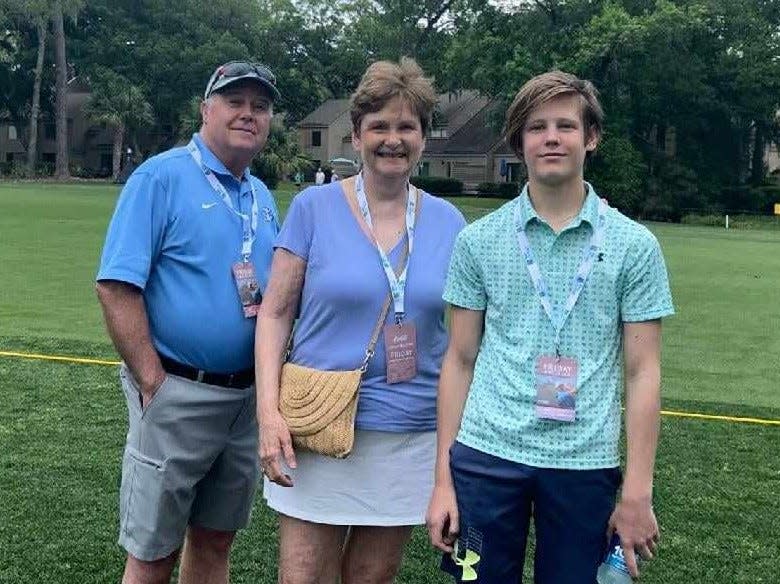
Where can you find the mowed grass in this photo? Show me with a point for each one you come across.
(62, 425)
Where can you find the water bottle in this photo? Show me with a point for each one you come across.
(613, 570)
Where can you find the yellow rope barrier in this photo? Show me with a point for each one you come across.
(58, 358)
(760, 421)
(671, 413)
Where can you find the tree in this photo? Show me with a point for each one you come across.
(34, 14)
(35, 109)
(282, 156)
(120, 105)
(61, 170)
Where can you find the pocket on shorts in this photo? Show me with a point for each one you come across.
(133, 391)
(141, 496)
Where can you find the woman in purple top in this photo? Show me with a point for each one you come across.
(350, 518)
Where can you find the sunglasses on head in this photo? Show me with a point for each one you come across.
(241, 68)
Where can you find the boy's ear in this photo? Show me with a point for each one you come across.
(592, 139)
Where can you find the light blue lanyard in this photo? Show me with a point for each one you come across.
(397, 284)
(578, 281)
(249, 224)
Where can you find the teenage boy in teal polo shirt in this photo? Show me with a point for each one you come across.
(186, 258)
(557, 301)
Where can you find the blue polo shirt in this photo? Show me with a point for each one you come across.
(174, 237)
(628, 284)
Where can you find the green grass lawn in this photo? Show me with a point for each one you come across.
(62, 426)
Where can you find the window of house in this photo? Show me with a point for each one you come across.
(425, 168)
(514, 172)
(12, 135)
(316, 138)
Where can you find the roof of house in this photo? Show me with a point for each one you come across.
(470, 121)
(326, 114)
(456, 109)
(479, 133)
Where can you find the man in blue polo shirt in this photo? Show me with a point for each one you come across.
(185, 261)
(557, 301)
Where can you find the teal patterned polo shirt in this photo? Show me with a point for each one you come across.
(628, 283)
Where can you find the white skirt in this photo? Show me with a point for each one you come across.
(386, 481)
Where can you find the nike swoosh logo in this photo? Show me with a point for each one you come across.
(207, 205)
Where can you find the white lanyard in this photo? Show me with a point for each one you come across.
(249, 224)
(578, 281)
(397, 284)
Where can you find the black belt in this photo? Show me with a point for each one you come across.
(238, 380)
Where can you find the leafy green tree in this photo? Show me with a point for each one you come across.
(35, 15)
(282, 156)
(120, 105)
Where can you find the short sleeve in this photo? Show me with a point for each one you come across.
(297, 229)
(136, 231)
(646, 294)
(465, 285)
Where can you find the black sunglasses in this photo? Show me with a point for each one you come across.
(239, 69)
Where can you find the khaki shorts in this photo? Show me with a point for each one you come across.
(190, 459)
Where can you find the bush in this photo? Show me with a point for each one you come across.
(746, 222)
(671, 190)
(747, 199)
(617, 171)
(505, 190)
(265, 172)
(14, 170)
(438, 185)
(767, 196)
(707, 220)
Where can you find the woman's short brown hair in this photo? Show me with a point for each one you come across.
(543, 88)
(383, 81)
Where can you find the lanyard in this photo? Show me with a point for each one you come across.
(397, 284)
(248, 224)
(578, 281)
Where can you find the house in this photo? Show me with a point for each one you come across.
(326, 133)
(90, 144)
(464, 141)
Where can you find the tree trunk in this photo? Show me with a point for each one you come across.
(61, 172)
(119, 138)
(757, 164)
(35, 110)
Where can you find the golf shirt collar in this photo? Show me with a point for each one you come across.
(589, 212)
(213, 163)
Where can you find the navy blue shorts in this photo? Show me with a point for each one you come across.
(496, 499)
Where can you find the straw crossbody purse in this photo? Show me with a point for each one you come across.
(320, 406)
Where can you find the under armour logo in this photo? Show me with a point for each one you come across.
(466, 564)
(600, 257)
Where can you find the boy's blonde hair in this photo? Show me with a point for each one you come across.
(543, 88)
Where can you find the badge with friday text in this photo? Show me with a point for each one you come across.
(400, 352)
(248, 289)
(556, 388)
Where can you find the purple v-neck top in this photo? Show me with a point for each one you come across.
(344, 290)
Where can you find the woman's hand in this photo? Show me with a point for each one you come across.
(275, 442)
